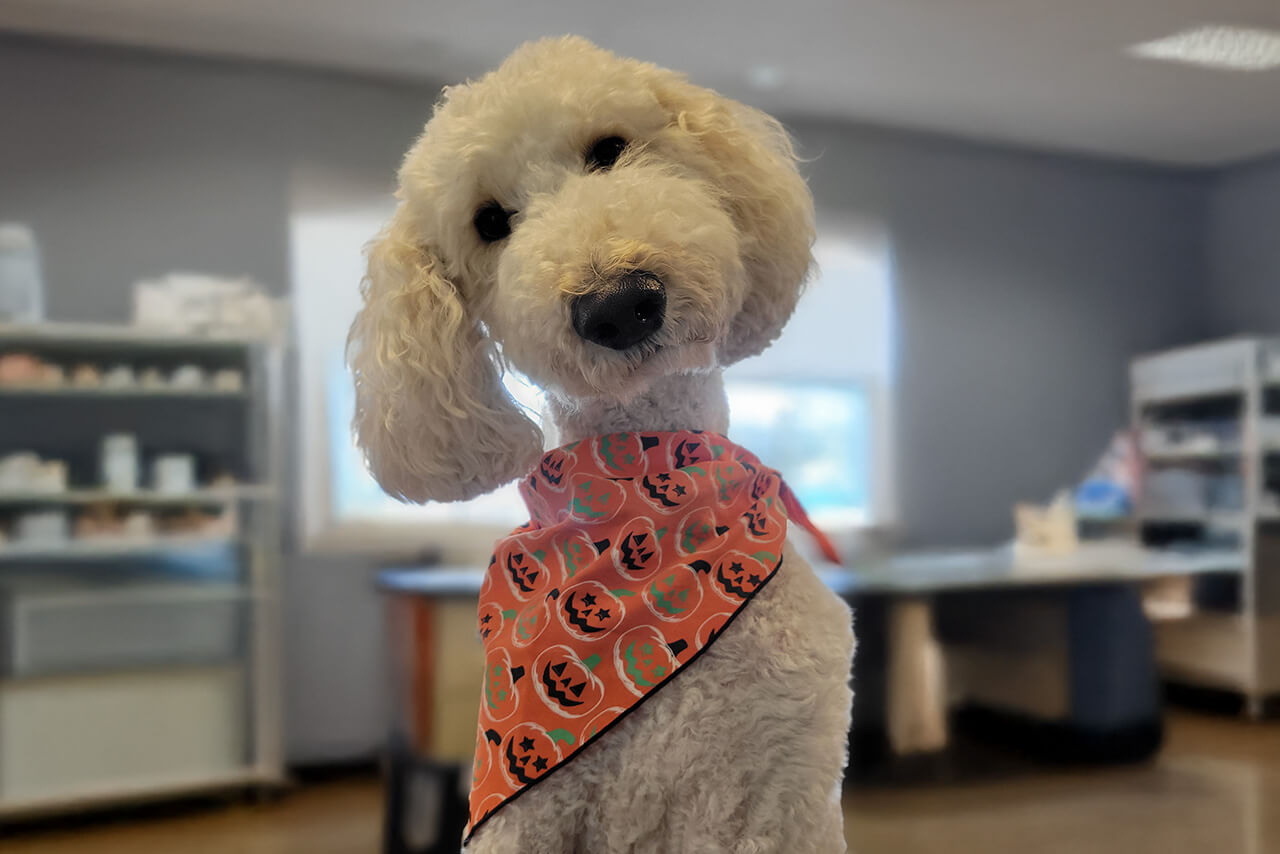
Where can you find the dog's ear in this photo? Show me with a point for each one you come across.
(431, 414)
(753, 161)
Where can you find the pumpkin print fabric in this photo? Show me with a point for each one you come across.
(640, 549)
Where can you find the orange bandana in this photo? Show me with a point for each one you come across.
(641, 549)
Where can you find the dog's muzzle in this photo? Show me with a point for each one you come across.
(624, 312)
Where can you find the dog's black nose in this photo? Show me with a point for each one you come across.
(624, 312)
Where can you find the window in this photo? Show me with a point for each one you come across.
(357, 498)
(340, 505)
(818, 435)
(814, 406)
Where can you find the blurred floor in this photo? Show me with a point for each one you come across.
(324, 818)
(1209, 792)
(1212, 790)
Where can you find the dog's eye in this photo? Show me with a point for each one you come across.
(492, 222)
(605, 152)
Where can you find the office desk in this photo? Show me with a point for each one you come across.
(437, 691)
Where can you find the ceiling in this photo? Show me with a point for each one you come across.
(1044, 73)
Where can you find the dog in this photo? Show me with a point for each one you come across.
(619, 235)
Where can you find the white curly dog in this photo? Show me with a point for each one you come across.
(619, 235)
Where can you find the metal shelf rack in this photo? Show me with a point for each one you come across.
(130, 731)
(1231, 640)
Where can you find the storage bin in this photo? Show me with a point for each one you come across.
(48, 628)
(71, 737)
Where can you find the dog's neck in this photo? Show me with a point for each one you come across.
(681, 402)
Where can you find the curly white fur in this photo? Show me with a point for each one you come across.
(744, 752)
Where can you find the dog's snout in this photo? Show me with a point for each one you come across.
(626, 311)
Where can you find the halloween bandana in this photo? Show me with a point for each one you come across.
(641, 548)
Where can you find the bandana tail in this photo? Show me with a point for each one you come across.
(795, 510)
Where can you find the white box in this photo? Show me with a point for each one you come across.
(1216, 368)
(70, 737)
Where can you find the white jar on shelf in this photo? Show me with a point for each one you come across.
(21, 286)
(120, 462)
(174, 474)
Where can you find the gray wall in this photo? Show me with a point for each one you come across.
(1024, 283)
(1244, 250)
(132, 164)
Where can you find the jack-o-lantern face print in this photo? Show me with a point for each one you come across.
(698, 531)
(673, 594)
(595, 499)
(738, 576)
(691, 451)
(764, 483)
(643, 659)
(637, 554)
(762, 521)
(489, 620)
(566, 683)
(577, 551)
(667, 491)
(590, 610)
(526, 572)
(501, 695)
(619, 454)
(530, 623)
(552, 469)
(529, 751)
(730, 479)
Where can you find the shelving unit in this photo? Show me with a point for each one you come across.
(1231, 637)
(1192, 455)
(1228, 520)
(132, 720)
(158, 546)
(209, 496)
(72, 391)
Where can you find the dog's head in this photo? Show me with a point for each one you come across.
(594, 221)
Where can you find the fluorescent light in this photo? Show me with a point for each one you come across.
(1219, 47)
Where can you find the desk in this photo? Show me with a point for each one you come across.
(917, 689)
(916, 695)
(923, 573)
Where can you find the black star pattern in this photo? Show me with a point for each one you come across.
(663, 478)
(526, 743)
(753, 579)
(588, 599)
(486, 618)
(603, 613)
(679, 490)
(540, 763)
(736, 567)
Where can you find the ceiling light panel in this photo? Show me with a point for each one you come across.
(1223, 48)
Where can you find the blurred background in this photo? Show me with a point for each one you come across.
(1034, 393)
